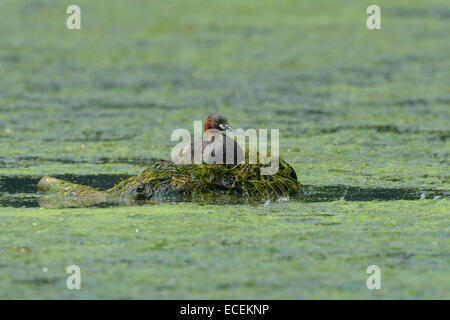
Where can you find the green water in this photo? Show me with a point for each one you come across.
(355, 108)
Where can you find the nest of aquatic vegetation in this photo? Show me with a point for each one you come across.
(167, 180)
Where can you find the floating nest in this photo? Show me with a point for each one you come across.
(167, 181)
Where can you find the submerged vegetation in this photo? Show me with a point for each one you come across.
(68, 189)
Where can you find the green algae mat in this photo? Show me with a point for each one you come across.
(284, 250)
(363, 118)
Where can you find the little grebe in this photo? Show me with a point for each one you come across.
(216, 142)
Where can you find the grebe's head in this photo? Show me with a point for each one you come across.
(217, 121)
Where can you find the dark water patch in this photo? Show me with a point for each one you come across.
(408, 102)
(298, 114)
(411, 12)
(317, 112)
(116, 105)
(14, 201)
(38, 280)
(138, 105)
(11, 58)
(35, 200)
(12, 161)
(351, 193)
(27, 184)
(95, 136)
(40, 86)
(442, 135)
(366, 174)
(21, 192)
(442, 178)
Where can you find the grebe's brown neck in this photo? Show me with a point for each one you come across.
(210, 124)
(211, 129)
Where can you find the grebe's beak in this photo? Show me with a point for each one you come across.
(225, 127)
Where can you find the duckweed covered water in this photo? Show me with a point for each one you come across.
(283, 250)
(363, 118)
